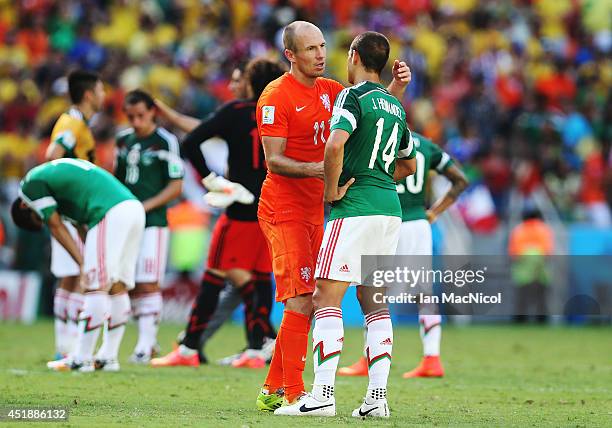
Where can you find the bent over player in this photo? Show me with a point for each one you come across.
(111, 221)
(369, 133)
(150, 165)
(293, 116)
(72, 138)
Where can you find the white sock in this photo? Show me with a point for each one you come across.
(96, 307)
(380, 346)
(365, 339)
(115, 326)
(327, 339)
(60, 310)
(186, 352)
(376, 394)
(431, 334)
(75, 306)
(147, 310)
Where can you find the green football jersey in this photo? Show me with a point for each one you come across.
(77, 189)
(146, 165)
(411, 190)
(376, 122)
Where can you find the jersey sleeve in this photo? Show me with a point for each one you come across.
(36, 195)
(65, 133)
(346, 111)
(171, 156)
(214, 124)
(440, 160)
(335, 88)
(406, 147)
(120, 160)
(273, 114)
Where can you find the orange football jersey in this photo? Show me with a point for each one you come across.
(289, 109)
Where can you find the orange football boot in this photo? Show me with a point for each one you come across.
(249, 362)
(430, 366)
(174, 358)
(359, 368)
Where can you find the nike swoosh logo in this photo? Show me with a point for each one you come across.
(366, 412)
(305, 409)
(299, 108)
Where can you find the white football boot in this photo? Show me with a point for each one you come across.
(308, 405)
(372, 408)
(68, 364)
(107, 364)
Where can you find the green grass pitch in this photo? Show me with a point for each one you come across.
(496, 376)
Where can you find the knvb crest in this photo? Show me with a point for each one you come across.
(306, 273)
(326, 102)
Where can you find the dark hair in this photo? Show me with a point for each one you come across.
(373, 49)
(261, 71)
(532, 214)
(139, 96)
(79, 82)
(22, 216)
(239, 65)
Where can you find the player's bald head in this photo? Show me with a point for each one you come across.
(296, 31)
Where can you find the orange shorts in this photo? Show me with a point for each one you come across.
(294, 247)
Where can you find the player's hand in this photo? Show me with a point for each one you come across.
(431, 216)
(215, 183)
(340, 192)
(401, 73)
(219, 199)
(162, 108)
(222, 192)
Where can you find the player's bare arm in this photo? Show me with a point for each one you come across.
(55, 151)
(278, 163)
(82, 231)
(182, 121)
(459, 184)
(168, 194)
(401, 78)
(404, 168)
(334, 153)
(61, 233)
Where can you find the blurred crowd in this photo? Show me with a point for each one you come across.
(517, 91)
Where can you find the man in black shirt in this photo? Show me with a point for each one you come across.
(238, 252)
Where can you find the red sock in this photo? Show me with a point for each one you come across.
(293, 338)
(274, 380)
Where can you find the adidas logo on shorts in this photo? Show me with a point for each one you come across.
(344, 268)
(387, 341)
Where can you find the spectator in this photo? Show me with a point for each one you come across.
(531, 242)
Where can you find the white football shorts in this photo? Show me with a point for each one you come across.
(112, 246)
(153, 255)
(62, 263)
(415, 239)
(347, 239)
